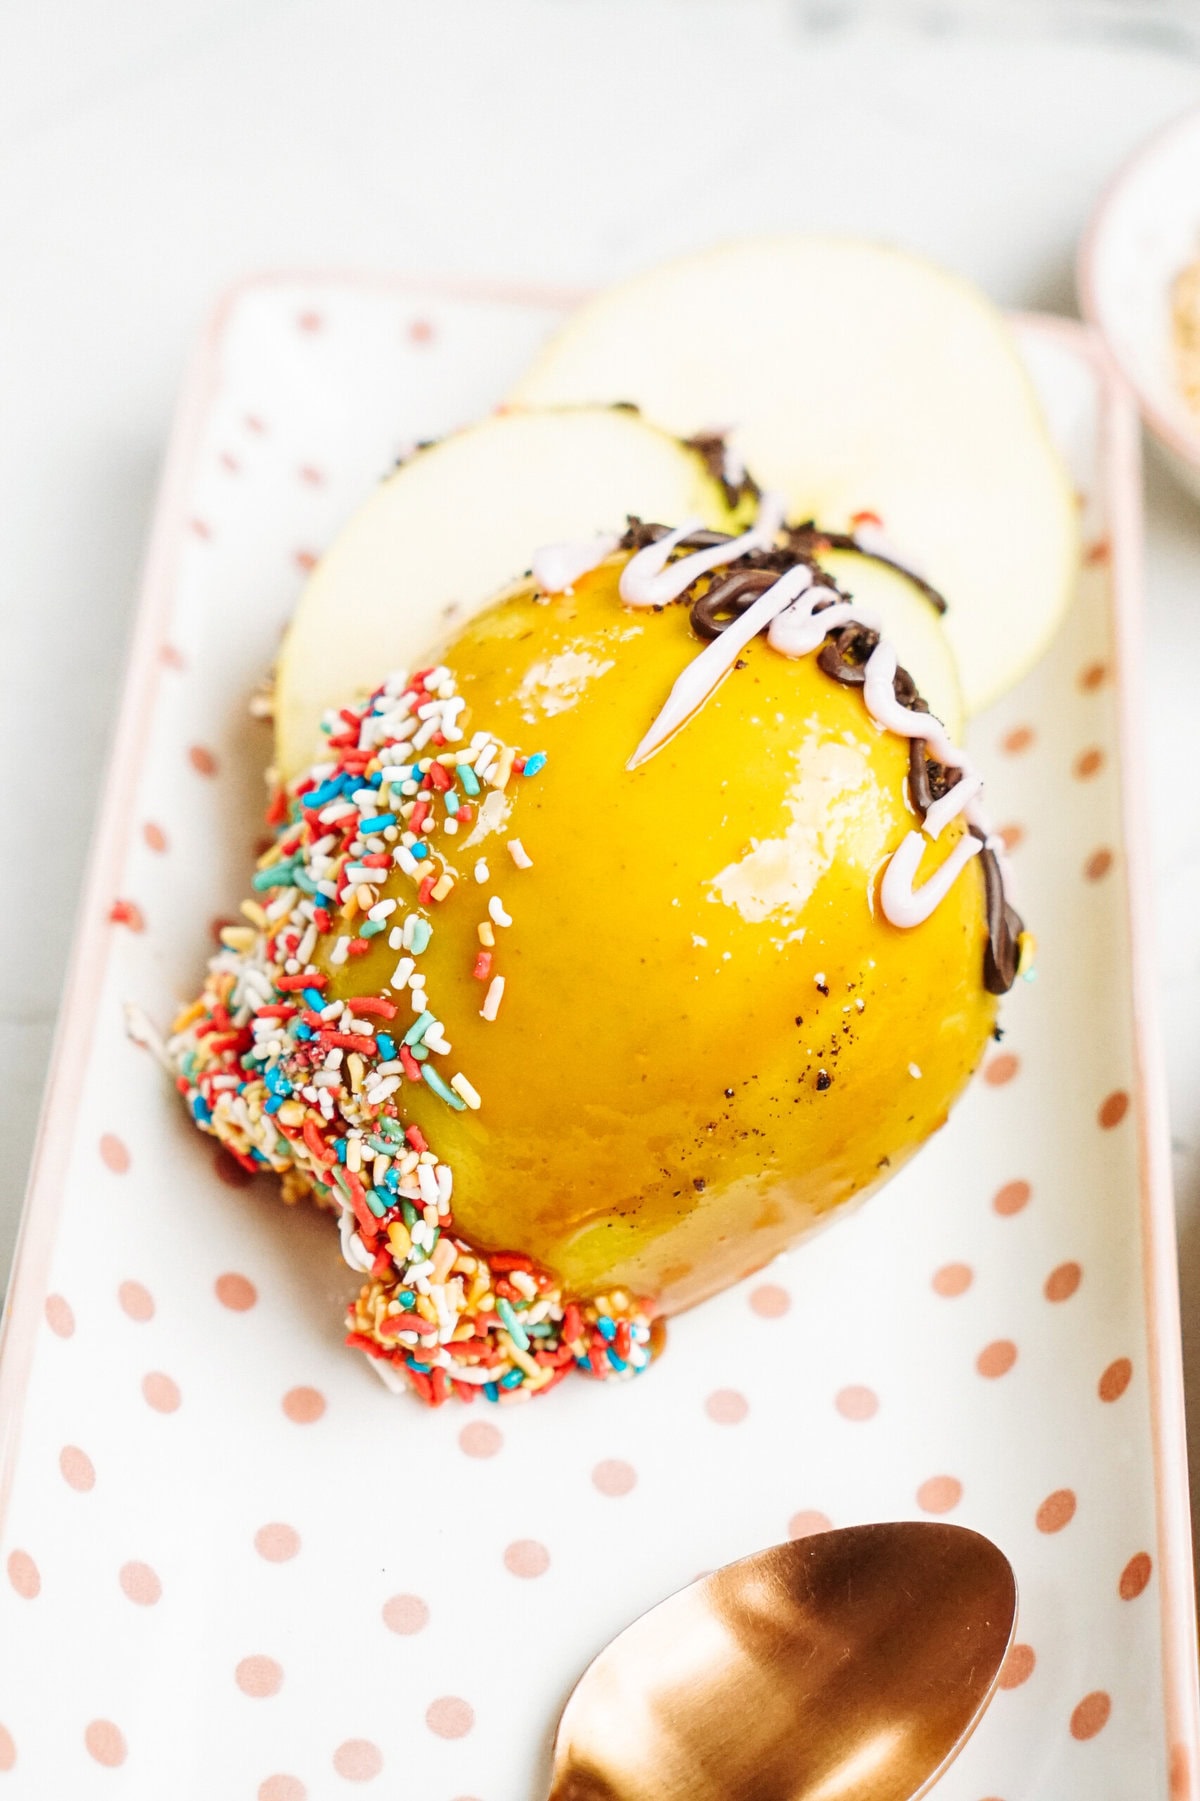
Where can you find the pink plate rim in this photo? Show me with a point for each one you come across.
(1120, 462)
(1186, 445)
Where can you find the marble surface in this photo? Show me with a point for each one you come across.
(152, 151)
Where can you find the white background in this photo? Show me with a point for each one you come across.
(151, 151)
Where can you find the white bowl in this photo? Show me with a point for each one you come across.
(1145, 229)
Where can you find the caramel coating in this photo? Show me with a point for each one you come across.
(708, 1032)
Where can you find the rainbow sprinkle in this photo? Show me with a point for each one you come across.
(313, 1089)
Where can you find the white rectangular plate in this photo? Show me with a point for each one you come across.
(237, 1567)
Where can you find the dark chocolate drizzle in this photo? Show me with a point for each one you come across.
(843, 656)
(727, 599)
(713, 450)
(1002, 953)
(808, 542)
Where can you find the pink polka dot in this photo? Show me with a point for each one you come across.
(277, 1542)
(1088, 763)
(172, 657)
(140, 1583)
(856, 1402)
(952, 1280)
(450, 1717)
(200, 528)
(305, 559)
(113, 1154)
(78, 1470)
(1012, 836)
(1098, 865)
(405, 1614)
(1091, 1715)
(807, 1522)
(106, 1743)
(358, 1760)
(997, 1358)
(1018, 1666)
(238, 1293)
(8, 1750)
(1019, 739)
(614, 1477)
(1113, 1109)
(726, 1406)
(229, 462)
(1062, 1282)
(526, 1557)
(1012, 1198)
(303, 1405)
(155, 837)
(282, 1788)
(24, 1575)
(770, 1301)
(479, 1438)
(161, 1392)
(229, 1170)
(259, 1677)
(59, 1315)
(1115, 1380)
(939, 1494)
(135, 1301)
(253, 423)
(1099, 552)
(127, 913)
(1001, 1069)
(313, 477)
(202, 760)
(310, 322)
(421, 331)
(1179, 1773)
(1135, 1576)
(1056, 1511)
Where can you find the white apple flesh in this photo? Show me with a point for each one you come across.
(853, 378)
(449, 528)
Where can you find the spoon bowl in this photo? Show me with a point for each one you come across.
(849, 1666)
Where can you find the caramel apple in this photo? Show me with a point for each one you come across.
(575, 1017)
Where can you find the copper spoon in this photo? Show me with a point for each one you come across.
(851, 1666)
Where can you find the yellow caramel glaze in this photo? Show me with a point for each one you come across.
(651, 1115)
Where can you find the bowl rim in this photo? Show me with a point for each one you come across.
(1184, 444)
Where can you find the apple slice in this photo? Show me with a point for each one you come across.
(450, 527)
(853, 378)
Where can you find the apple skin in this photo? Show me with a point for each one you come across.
(708, 1033)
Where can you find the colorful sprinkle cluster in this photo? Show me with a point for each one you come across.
(313, 1088)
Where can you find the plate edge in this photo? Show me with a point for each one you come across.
(79, 1006)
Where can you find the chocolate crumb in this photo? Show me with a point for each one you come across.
(824, 1080)
(698, 1184)
(729, 1094)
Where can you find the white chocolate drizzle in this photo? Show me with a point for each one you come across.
(557, 567)
(650, 580)
(903, 903)
(697, 681)
(799, 613)
(954, 802)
